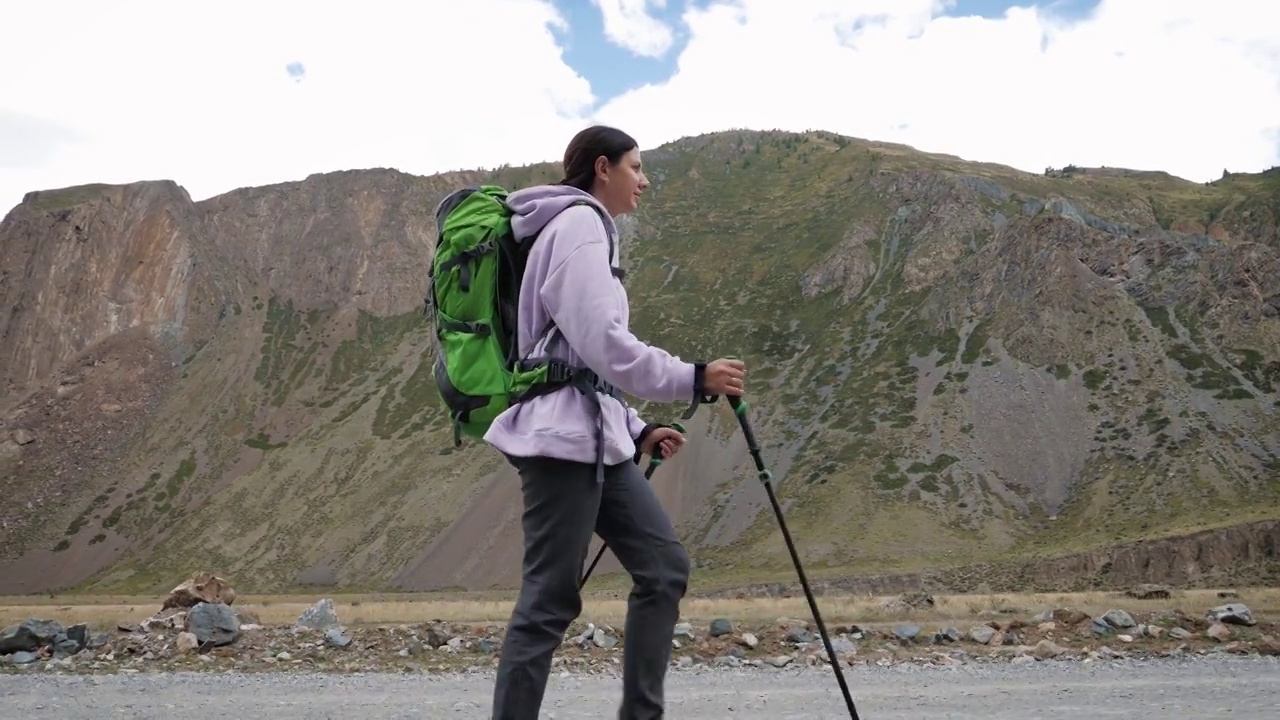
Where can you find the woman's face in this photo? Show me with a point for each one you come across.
(618, 186)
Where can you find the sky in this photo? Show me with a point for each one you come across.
(217, 96)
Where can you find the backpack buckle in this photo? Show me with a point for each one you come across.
(558, 371)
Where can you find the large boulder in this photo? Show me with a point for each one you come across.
(202, 587)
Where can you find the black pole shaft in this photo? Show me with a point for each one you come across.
(654, 462)
(766, 478)
(648, 473)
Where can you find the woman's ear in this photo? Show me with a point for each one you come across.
(602, 168)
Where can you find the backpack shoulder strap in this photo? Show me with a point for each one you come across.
(550, 330)
(609, 236)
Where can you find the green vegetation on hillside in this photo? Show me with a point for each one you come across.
(951, 363)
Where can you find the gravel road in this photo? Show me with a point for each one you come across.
(1235, 687)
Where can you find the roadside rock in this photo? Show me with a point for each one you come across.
(211, 636)
(1233, 613)
(201, 587)
(1119, 619)
(1149, 591)
(320, 616)
(213, 623)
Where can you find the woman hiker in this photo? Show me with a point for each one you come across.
(575, 448)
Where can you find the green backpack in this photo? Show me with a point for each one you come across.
(473, 296)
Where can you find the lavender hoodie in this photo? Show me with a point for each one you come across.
(568, 280)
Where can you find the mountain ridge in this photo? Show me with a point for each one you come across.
(952, 363)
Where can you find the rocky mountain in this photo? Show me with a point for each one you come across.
(958, 371)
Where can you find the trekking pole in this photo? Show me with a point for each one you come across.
(766, 478)
(654, 462)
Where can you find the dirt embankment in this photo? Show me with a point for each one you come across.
(1244, 554)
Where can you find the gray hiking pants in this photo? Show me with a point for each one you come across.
(563, 505)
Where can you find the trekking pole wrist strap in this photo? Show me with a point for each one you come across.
(700, 396)
(644, 433)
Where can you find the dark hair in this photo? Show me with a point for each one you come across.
(586, 146)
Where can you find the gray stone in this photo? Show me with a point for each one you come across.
(337, 638)
(720, 626)
(80, 634)
(1119, 619)
(799, 635)
(22, 657)
(982, 634)
(214, 623)
(32, 634)
(603, 639)
(946, 635)
(320, 616)
(1232, 613)
(906, 633)
(843, 645)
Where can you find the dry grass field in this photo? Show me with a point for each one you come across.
(377, 609)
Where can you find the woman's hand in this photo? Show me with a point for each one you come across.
(725, 377)
(667, 441)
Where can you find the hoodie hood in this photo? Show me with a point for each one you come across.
(534, 207)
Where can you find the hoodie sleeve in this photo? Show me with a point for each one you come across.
(580, 295)
(635, 425)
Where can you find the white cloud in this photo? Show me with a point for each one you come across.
(628, 24)
(199, 93)
(1179, 85)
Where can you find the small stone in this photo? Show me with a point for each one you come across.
(1218, 632)
(843, 645)
(720, 626)
(336, 638)
(946, 635)
(799, 635)
(749, 640)
(187, 641)
(1047, 649)
(1125, 638)
(779, 661)
(1180, 633)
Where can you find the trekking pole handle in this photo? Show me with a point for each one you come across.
(656, 460)
(739, 406)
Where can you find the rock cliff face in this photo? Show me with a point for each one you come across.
(83, 264)
(960, 372)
